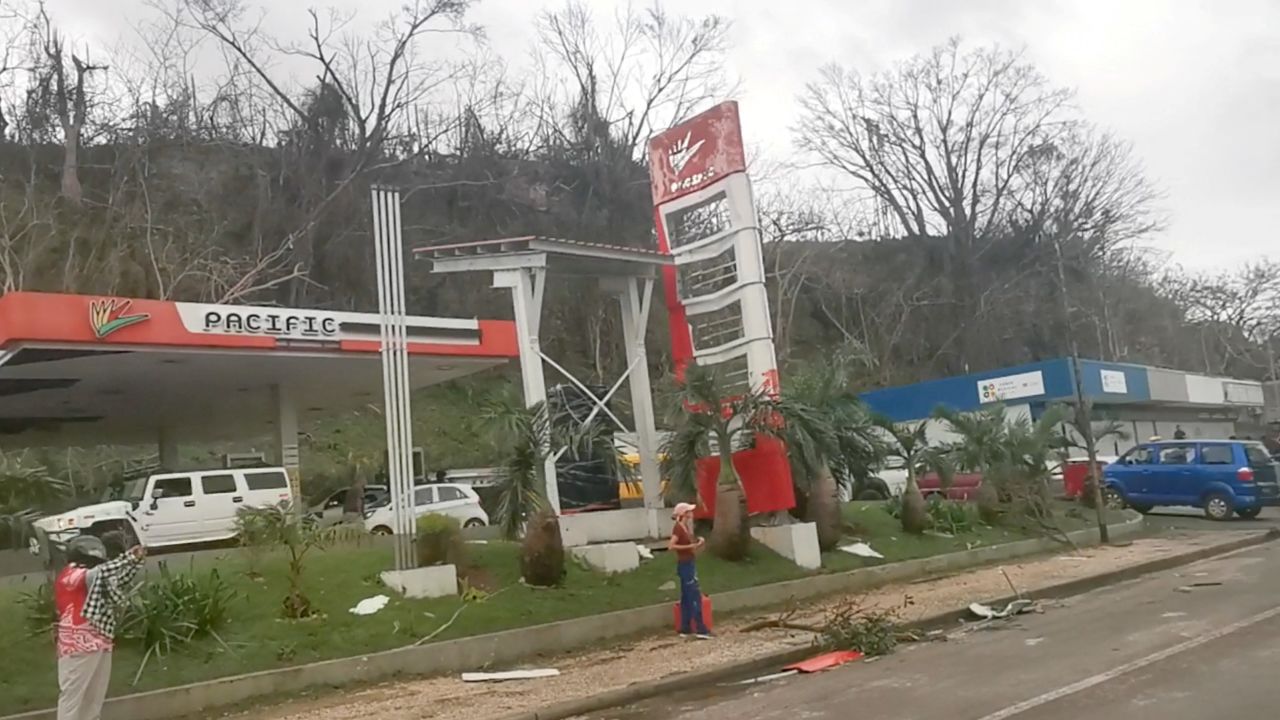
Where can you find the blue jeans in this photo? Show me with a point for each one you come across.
(690, 599)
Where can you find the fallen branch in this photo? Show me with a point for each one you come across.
(442, 628)
(780, 624)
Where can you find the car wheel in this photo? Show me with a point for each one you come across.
(1112, 498)
(473, 523)
(1249, 513)
(1144, 509)
(381, 530)
(1217, 507)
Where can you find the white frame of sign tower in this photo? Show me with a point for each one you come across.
(523, 266)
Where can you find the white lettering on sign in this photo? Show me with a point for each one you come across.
(1011, 387)
(1114, 381)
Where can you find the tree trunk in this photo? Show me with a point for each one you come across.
(824, 509)
(915, 517)
(71, 164)
(730, 537)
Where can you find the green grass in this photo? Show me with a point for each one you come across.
(342, 576)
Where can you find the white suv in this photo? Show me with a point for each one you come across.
(459, 501)
(176, 508)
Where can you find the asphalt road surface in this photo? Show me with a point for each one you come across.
(1150, 648)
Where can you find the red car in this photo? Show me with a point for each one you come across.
(963, 486)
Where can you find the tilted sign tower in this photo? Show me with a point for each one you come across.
(716, 297)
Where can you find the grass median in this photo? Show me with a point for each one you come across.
(256, 638)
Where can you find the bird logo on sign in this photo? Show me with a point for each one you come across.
(106, 316)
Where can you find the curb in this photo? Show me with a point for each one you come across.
(686, 681)
(519, 644)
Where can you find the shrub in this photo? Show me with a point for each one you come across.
(542, 557)
(174, 609)
(39, 614)
(951, 517)
(439, 541)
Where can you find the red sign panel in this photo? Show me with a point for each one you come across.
(696, 153)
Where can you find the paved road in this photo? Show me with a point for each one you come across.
(1141, 649)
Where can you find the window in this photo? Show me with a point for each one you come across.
(423, 496)
(218, 484)
(267, 480)
(1176, 454)
(1139, 456)
(1216, 455)
(337, 499)
(173, 487)
(447, 494)
(1257, 454)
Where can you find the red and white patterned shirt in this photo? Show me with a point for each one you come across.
(76, 635)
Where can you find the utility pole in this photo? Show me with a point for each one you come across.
(1084, 411)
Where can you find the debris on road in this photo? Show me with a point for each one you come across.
(861, 549)
(825, 661)
(1194, 585)
(370, 605)
(645, 552)
(768, 678)
(509, 675)
(986, 612)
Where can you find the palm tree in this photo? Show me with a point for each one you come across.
(832, 443)
(711, 419)
(909, 442)
(26, 492)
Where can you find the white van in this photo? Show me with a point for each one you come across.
(177, 508)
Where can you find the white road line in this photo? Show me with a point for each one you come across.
(1129, 667)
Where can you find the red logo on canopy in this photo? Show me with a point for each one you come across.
(696, 153)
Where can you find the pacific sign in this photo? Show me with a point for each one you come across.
(246, 320)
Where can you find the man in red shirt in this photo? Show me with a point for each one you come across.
(686, 546)
(86, 595)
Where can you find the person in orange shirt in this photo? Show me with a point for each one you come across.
(686, 546)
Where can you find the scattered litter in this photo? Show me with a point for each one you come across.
(986, 612)
(938, 533)
(509, 675)
(645, 553)
(1173, 615)
(768, 678)
(1032, 642)
(1192, 586)
(826, 661)
(371, 605)
(1073, 558)
(861, 549)
(477, 542)
(669, 585)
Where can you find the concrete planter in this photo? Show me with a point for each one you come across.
(798, 543)
(609, 558)
(425, 582)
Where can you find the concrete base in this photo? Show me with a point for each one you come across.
(614, 526)
(610, 557)
(798, 543)
(425, 582)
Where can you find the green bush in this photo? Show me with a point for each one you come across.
(951, 517)
(439, 541)
(39, 613)
(174, 609)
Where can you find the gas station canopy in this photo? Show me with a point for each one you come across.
(82, 370)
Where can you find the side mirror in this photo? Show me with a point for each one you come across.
(156, 494)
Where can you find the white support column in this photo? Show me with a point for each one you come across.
(286, 421)
(634, 298)
(168, 447)
(527, 286)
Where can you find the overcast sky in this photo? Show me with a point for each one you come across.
(1195, 85)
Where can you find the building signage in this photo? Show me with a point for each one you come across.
(696, 153)
(1113, 381)
(106, 316)
(261, 321)
(1011, 387)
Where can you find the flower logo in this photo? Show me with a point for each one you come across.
(107, 316)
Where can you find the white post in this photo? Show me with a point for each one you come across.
(168, 447)
(634, 296)
(389, 256)
(286, 417)
(527, 286)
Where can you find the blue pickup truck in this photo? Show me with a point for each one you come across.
(1220, 476)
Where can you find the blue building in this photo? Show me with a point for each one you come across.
(1147, 400)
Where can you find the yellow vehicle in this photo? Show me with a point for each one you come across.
(630, 488)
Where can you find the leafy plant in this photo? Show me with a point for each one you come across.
(26, 490)
(439, 540)
(870, 631)
(39, 613)
(710, 417)
(280, 526)
(909, 442)
(175, 609)
(951, 517)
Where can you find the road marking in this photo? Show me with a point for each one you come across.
(1129, 667)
